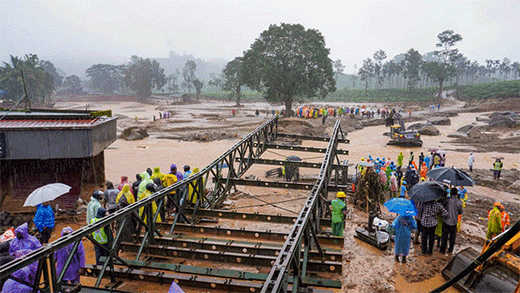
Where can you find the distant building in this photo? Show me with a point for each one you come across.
(47, 146)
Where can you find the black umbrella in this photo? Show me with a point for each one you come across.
(294, 159)
(451, 176)
(428, 191)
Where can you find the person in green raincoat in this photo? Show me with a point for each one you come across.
(494, 221)
(142, 186)
(338, 214)
(400, 158)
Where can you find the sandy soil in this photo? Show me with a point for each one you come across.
(366, 269)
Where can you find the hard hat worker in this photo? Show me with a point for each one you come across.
(339, 208)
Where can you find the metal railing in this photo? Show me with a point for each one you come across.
(290, 261)
(250, 147)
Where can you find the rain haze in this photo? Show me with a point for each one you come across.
(76, 34)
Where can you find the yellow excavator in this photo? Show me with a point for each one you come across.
(495, 269)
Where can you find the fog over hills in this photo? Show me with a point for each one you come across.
(77, 66)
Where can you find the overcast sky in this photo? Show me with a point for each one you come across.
(88, 32)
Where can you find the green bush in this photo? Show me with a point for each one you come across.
(500, 89)
(383, 95)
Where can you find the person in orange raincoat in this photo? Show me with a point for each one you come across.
(424, 170)
(504, 217)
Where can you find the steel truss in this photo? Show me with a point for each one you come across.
(291, 261)
(250, 147)
(211, 187)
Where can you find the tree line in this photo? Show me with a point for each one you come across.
(445, 65)
(140, 76)
(286, 63)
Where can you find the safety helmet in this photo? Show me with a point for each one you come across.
(362, 159)
(383, 158)
(377, 159)
(341, 194)
(423, 179)
(97, 194)
(404, 183)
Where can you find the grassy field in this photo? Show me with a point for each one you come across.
(492, 90)
(502, 89)
(383, 95)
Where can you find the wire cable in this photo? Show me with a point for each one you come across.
(271, 204)
(266, 204)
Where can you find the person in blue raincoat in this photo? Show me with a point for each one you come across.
(23, 240)
(403, 225)
(44, 221)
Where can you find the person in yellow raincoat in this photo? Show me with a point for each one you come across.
(494, 221)
(126, 193)
(191, 190)
(157, 174)
(150, 188)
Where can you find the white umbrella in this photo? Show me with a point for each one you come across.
(46, 193)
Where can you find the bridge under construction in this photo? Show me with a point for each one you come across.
(303, 258)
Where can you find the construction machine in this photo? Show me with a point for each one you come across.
(398, 133)
(496, 269)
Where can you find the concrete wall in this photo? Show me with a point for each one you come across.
(53, 143)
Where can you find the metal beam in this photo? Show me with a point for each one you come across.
(289, 163)
(289, 185)
(289, 261)
(267, 235)
(211, 283)
(224, 273)
(303, 149)
(245, 259)
(279, 218)
(306, 137)
(256, 248)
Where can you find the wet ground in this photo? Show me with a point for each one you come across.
(366, 269)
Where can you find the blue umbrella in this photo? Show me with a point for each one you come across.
(401, 206)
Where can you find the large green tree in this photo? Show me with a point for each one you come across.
(188, 73)
(379, 57)
(141, 75)
(367, 71)
(73, 84)
(287, 63)
(338, 68)
(106, 78)
(39, 82)
(412, 65)
(443, 69)
(197, 84)
(50, 68)
(234, 77)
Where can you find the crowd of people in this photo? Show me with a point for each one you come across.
(309, 112)
(101, 203)
(435, 220)
(23, 244)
